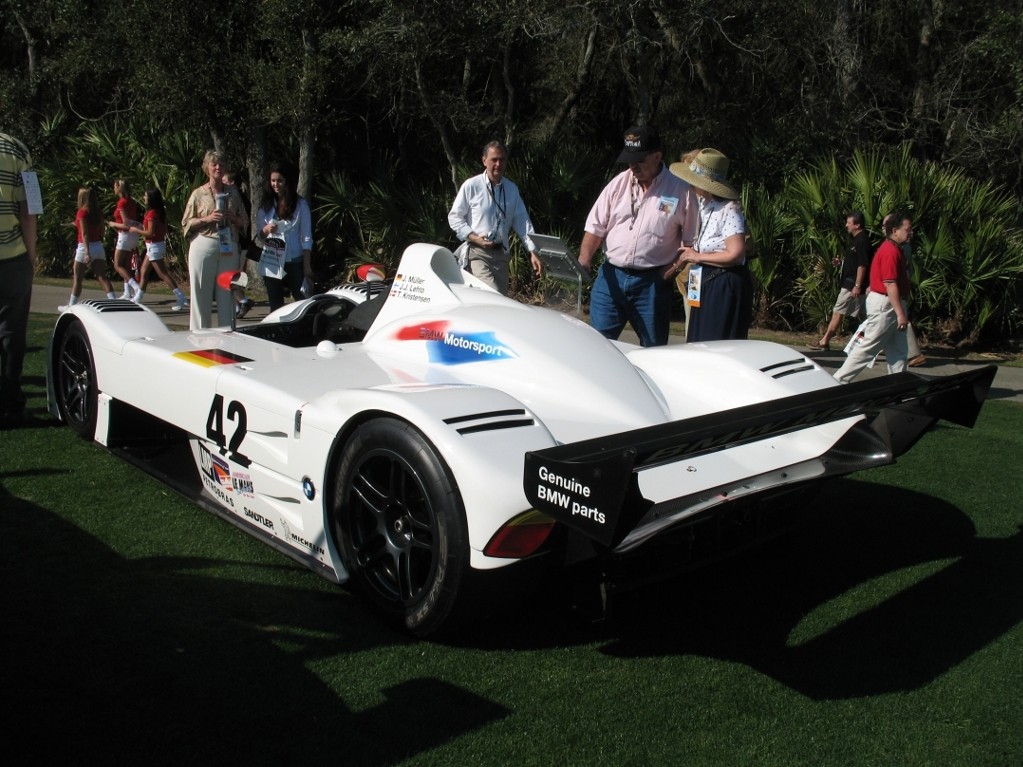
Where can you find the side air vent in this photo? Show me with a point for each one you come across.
(787, 368)
(114, 305)
(492, 421)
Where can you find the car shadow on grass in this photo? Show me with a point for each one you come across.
(880, 590)
(124, 659)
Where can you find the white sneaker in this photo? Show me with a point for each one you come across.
(63, 308)
(137, 298)
(126, 295)
(181, 304)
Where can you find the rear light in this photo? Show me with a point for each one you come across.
(520, 536)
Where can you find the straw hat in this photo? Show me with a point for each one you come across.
(707, 171)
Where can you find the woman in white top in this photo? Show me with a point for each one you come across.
(720, 288)
(286, 226)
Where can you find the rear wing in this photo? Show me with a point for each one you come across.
(591, 486)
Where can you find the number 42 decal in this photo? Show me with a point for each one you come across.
(215, 428)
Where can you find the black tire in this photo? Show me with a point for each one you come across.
(75, 381)
(400, 524)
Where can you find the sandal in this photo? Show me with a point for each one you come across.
(819, 347)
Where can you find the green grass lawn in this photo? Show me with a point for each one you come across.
(883, 631)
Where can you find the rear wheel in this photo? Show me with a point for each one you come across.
(75, 381)
(399, 521)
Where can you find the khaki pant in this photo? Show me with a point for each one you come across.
(880, 332)
(490, 265)
(205, 262)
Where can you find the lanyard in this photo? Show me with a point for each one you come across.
(501, 206)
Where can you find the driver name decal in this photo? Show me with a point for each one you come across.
(450, 347)
(409, 288)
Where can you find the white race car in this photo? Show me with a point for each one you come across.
(412, 435)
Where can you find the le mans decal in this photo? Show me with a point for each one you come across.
(211, 357)
(217, 469)
(449, 347)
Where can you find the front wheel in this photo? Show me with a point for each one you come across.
(399, 521)
(75, 381)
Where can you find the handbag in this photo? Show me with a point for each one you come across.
(255, 250)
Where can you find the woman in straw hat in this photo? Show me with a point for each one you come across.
(720, 291)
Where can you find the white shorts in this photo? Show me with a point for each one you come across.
(96, 252)
(155, 250)
(126, 241)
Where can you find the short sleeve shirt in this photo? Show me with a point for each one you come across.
(719, 220)
(642, 230)
(14, 160)
(126, 212)
(159, 227)
(889, 265)
(95, 231)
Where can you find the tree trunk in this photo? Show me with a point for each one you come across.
(582, 74)
(439, 124)
(844, 46)
(307, 133)
(922, 92)
(255, 163)
(507, 67)
(30, 47)
(306, 158)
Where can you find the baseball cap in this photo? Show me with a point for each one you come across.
(640, 141)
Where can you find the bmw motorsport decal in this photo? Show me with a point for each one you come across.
(450, 347)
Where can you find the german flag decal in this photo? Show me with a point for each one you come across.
(210, 357)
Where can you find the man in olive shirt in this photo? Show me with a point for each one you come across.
(17, 264)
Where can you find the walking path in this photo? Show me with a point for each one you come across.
(1008, 384)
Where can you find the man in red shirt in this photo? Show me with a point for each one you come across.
(885, 327)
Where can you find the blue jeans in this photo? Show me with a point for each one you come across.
(294, 275)
(640, 297)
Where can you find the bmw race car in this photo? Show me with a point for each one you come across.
(416, 436)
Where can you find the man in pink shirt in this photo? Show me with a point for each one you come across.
(642, 218)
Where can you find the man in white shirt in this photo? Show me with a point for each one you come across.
(486, 209)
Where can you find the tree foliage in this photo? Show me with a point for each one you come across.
(386, 103)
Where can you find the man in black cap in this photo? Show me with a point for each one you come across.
(642, 218)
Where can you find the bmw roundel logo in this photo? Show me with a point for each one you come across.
(308, 488)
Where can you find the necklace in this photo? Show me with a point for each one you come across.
(634, 194)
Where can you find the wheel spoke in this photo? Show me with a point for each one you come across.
(407, 587)
(372, 551)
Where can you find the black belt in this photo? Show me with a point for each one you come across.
(636, 272)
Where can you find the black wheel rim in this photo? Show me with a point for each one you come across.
(394, 533)
(76, 380)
